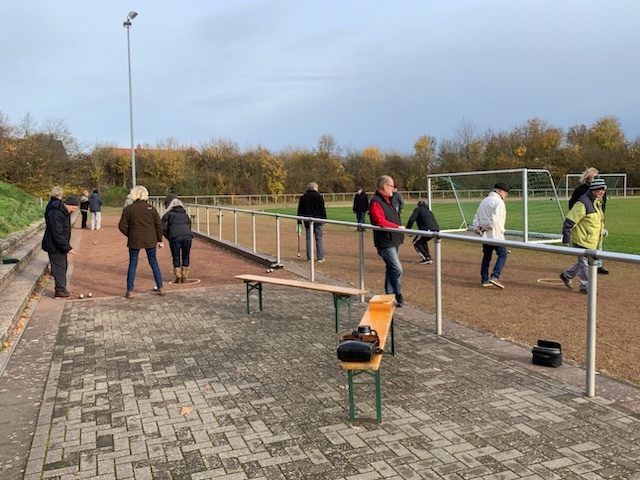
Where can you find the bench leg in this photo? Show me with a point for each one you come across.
(378, 397)
(393, 344)
(351, 374)
(250, 288)
(352, 405)
(337, 301)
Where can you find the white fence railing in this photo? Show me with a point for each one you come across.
(347, 197)
(204, 214)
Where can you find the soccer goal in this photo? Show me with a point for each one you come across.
(616, 183)
(534, 213)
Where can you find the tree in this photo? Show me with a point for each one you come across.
(424, 158)
(365, 167)
(272, 172)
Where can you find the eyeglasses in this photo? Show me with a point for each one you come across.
(392, 186)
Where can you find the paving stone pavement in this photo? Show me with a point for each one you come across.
(188, 386)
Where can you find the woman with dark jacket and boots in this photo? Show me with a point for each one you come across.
(176, 227)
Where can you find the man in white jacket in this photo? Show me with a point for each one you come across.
(489, 222)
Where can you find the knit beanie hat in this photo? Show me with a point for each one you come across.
(597, 184)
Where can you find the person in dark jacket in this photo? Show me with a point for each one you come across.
(383, 214)
(426, 221)
(397, 201)
(585, 182)
(311, 204)
(176, 227)
(84, 208)
(140, 223)
(57, 237)
(360, 204)
(170, 196)
(95, 206)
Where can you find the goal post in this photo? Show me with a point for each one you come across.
(616, 183)
(534, 213)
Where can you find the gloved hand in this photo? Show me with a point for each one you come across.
(605, 232)
(299, 228)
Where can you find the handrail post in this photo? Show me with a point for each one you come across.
(591, 326)
(253, 231)
(278, 257)
(235, 227)
(438, 285)
(312, 253)
(361, 231)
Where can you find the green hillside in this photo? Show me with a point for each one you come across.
(18, 209)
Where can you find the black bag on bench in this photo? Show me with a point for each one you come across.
(358, 347)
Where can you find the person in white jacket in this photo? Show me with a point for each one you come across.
(489, 222)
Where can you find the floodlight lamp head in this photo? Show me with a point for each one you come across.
(132, 15)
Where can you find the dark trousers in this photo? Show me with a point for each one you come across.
(58, 263)
(85, 214)
(420, 244)
(317, 234)
(180, 246)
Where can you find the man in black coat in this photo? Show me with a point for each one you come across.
(57, 235)
(426, 221)
(360, 204)
(311, 204)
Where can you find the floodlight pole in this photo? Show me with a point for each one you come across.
(127, 25)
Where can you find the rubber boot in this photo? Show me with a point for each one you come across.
(185, 273)
(178, 273)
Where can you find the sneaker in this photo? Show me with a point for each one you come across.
(487, 284)
(603, 271)
(62, 294)
(584, 290)
(566, 280)
(428, 261)
(129, 294)
(321, 260)
(496, 282)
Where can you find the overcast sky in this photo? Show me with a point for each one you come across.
(281, 73)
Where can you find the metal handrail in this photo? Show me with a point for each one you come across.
(592, 255)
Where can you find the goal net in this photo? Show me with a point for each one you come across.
(534, 213)
(616, 183)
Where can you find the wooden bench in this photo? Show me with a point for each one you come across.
(341, 295)
(379, 316)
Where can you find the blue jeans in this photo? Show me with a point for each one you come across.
(393, 273)
(360, 217)
(180, 245)
(133, 265)
(317, 234)
(487, 251)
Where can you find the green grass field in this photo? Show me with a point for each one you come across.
(622, 220)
